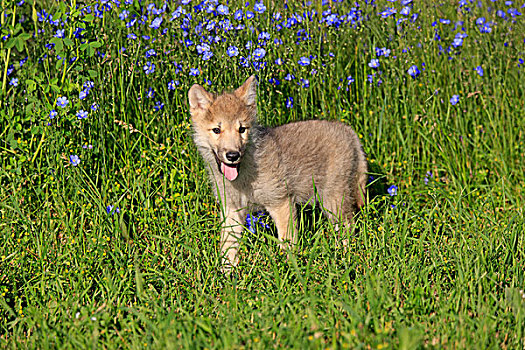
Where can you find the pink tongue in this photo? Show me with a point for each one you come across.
(229, 171)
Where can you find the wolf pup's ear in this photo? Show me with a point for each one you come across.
(248, 91)
(199, 98)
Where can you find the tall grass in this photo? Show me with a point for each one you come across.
(121, 249)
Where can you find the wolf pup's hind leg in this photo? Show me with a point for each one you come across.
(284, 216)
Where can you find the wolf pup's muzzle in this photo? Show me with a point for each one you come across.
(230, 171)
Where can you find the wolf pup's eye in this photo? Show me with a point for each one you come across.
(216, 130)
(242, 129)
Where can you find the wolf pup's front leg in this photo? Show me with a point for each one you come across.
(231, 232)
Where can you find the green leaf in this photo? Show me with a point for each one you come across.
(36, 130)
(31, 85)
(62, 7)
(91, 51)
(59, 44)
(10, 43)
(25, 36)
(96, 44)
(75, 13)
(89, 17)
(93, 73)
(59, 64)
(68, 42)
(29, 108)
(55, 88)
(19, 43)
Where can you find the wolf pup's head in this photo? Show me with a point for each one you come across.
(222, 123)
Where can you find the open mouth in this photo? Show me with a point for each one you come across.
(230, 171)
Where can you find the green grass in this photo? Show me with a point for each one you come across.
(443, 268)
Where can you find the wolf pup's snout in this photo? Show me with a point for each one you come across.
(233, 156)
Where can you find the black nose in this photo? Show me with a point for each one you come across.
(233, 156)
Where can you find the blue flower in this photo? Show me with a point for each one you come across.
(392, 190)
(88, 84)
(278, 61)
(382, 52)
(83, 94)
(428, 176)
(52, 114)
(274, 81)
(388, 12)
(232, 51)
(405, 11)
(150, 93)
(250, 14)
(223, 10)
(259, 54)
(264, 36)
(123, 15)
(110, 209)
(59, 33)
(238, 15)
(485, 28)
(158, 106)
(14, 82)
(457, 42)
(149, 67)
(305, 83)
(374, 63)
(250, 225)
(253, 220)
(202, 48)
(156, 23)
(62, 101)
(304, 61)
(94, 106)
(259, 7)
(207, 55)
(82, 114)
(350, 80)
(454, 99)
(331, 19)
(171, 85)
(74, 160)
(289, 102)
(413, 71)
(150, 53)
(194, 72)
(479, 70)
(244, 62)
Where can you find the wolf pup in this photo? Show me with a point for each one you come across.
(252, 166)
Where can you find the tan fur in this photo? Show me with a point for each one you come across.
(278, 167)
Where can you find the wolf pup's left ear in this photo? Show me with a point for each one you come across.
(248, 91)
(199, 98)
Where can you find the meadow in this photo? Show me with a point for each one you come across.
(108, 226)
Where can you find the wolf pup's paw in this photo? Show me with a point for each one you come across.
(229, 262)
